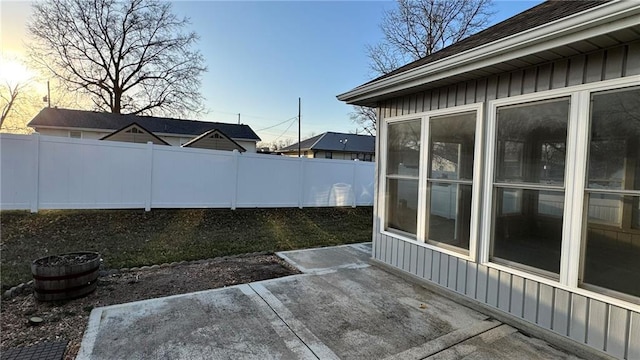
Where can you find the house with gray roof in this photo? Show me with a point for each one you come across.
(334, 145)
(508, 172)
(108, 126)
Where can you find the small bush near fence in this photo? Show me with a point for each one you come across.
(129, 238)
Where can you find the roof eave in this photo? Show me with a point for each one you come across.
(599, 20)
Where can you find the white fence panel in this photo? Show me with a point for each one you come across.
(183, 177)
(18, 172)
(91, 174)
(268, 181)
(46, 172)
(329, 182)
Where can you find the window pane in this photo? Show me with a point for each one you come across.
(614, 152)
(528, 236)
(403, 148)
(612, 254)
(402, 205)
(450, 215)
(531, 145)
(452, 145)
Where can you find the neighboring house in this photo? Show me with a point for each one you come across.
(99, 125)
(526, 198)
(214, 140)
(333, 145)
(134, 133)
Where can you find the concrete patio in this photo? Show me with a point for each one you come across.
(340, 308)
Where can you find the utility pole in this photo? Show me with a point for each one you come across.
(299, 102)
(238, 118)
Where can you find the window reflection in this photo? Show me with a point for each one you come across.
(452, 142)
(402, 205)
(527, 221)
(532, 142)
(611, 253)
(403, 171)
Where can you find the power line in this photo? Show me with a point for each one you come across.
(293, 121)
(243, 115)
(278, 124)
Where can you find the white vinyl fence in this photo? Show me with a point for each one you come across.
(46, 172)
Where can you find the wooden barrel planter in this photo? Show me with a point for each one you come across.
(65, 276)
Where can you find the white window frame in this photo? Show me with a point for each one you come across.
(578, 132)
(421, 229)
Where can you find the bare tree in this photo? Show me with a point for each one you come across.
(129, 56)
(365, 117)
(417, 28)
(10, 96)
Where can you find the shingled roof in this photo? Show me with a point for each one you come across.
(334, 141)
(538, 15)
(80, 119)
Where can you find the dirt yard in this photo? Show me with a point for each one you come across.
(67, 320)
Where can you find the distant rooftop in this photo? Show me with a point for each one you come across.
(81, 119)
(334, 141)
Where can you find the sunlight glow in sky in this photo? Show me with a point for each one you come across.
(263, 55)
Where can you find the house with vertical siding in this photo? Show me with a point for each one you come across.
(508, 171)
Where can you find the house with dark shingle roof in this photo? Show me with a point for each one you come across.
(508, 173)
(99, 125)
(334, 145)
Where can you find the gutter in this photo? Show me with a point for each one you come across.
(603, 19)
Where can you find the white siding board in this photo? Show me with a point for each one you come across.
(529, 81)
(435, 99)
(559, 76)
(443, 98)
(472, 275)
(470, 95)
(481, 287)
(576, 70)
(492, 88)
(406, 258)
(614, 62)
(578, 324)
(633, 59)
(461, 94)
(413, 255)
(481, 90)
(504, 291)
(426, 101)
(561, 312)
(428, 265)
(594, 67)
(421, 261)
(504, 83)
(633, 344)
(435, 267)
(461, 281)
(545, 306)
(595, 329)
(389, 252)
(617, 334)
(543, 81)
(515, 87)
(517, 296)
(452, 274)
(531, 290)
(493, 286)
(443, 275)
(452, 94)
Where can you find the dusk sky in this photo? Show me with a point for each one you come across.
(261, 56)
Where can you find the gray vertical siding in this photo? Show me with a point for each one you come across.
(602, 326)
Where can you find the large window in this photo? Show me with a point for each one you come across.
(402, 176)
(528, 185)
(611, 248)
(450, 180)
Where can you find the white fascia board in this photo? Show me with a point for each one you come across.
(599, 20)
